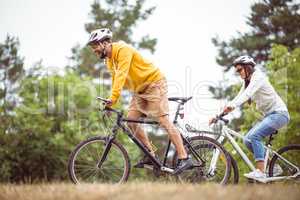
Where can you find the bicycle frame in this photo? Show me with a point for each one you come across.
(141, 146)
(229, 134)
(120, 124)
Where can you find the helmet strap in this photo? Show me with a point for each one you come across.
(248, 72)
(103, 54)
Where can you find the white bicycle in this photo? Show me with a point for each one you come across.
(284, 164)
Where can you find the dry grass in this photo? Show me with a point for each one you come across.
(145, 191)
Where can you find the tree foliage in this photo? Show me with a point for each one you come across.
(11, 71)
(271, 22)
(55, 114)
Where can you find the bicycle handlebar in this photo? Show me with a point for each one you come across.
(220, 117)
(107, 108)
(102, 99)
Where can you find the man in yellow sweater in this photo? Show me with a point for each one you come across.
(130, 70)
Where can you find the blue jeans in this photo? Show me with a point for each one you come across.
(267, 126)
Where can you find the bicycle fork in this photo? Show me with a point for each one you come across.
(215, 158)
(213, 162)
(106, 150)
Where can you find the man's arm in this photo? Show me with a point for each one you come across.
(124, 59)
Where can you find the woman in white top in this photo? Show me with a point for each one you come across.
(257, 88)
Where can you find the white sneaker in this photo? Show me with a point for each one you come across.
(256, 175)
(277, 170)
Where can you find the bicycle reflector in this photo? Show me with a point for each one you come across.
(181, 115)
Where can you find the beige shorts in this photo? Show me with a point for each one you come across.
(153, 101)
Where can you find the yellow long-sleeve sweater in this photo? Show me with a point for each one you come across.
(130, 70)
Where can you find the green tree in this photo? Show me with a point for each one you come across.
(11, 72)
(121, 16)
(271, 21)
(55, 114)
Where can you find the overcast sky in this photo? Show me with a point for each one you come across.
(48, 30)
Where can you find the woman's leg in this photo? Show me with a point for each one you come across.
(267, 126)
(247, 140)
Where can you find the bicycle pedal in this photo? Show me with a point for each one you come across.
(148, 167)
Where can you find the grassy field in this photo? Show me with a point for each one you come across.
(147, 190)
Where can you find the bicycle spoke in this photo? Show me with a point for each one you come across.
(92, 154)
(85, 168)
(85, 174)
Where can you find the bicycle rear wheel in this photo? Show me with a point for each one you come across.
(279, 167)
(82, 165)
(210, 151)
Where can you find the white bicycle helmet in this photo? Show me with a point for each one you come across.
(244, 60)
(99, 35)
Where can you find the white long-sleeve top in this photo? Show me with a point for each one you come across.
(261, 92)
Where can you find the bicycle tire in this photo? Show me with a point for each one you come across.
(235, 169)
(101, 175)
(286, 170)
(208, 143)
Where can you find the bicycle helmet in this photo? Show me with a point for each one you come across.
(99, 35)
(244, 60)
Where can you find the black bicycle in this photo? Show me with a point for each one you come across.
(104, 160)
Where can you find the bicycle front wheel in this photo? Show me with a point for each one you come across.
(288, 163)
(211, 162)
(83, 162)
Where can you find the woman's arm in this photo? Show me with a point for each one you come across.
(239, 94)
(257, 80)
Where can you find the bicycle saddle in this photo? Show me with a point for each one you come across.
(182, 99)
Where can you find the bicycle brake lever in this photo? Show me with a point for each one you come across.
(220, 117)
(226, 121)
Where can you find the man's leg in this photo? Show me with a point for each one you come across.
(157, 105)
(174, 136)
(184, 162)
(137, 131)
